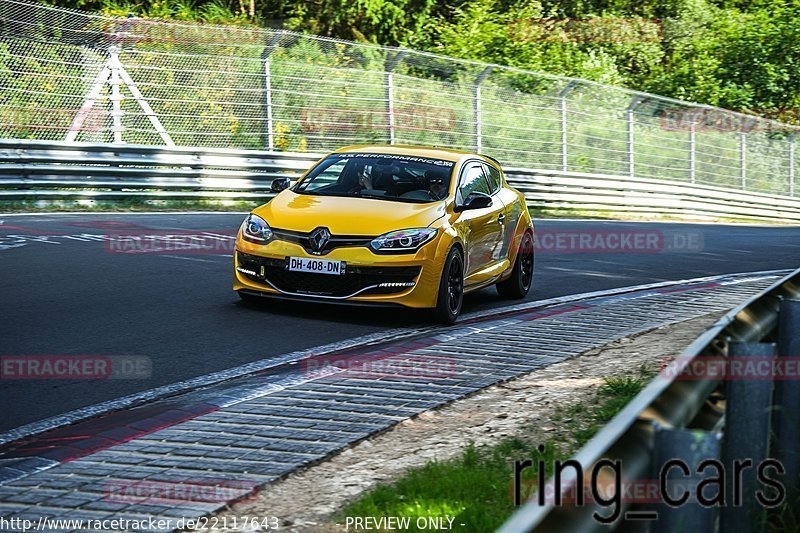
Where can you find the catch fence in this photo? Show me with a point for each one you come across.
(67, 75)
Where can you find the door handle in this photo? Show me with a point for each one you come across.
(501, 218)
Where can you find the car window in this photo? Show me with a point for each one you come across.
(473, 180)
(329, 176)
(395, 177)
(494, 178)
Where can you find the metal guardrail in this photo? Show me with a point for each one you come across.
(690, 419)
(45, 169)
(53, 170)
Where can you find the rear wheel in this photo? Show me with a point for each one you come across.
(518, 285)
(451, 289)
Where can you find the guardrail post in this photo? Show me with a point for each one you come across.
(786, 417)
(791, 139)
(477, 107)
(562, 96)
(747, 424)
(691, 447)
(743, 159)
(391, 64)
(631, 120)
(266, 58)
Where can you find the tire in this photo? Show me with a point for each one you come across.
(451, 289)
(518, 285)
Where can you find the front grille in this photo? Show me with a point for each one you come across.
(336, 241)
(354, 279)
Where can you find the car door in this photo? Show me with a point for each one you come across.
(512, 210)
(483, 227)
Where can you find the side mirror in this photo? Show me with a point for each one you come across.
(475, 200)
(280, 184)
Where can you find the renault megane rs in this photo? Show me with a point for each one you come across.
(389, 225)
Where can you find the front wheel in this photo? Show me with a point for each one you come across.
(518, 285)
(451, 289)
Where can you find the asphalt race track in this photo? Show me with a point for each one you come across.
(63, 292)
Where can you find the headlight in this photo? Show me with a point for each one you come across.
(255, 229)
(407, 240)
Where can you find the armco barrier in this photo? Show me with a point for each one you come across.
(51, 170)
(694, 417)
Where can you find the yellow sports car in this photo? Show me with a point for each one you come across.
(389, 225)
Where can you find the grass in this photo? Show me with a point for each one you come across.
(785, 519)
(477, 486)
(613, 395)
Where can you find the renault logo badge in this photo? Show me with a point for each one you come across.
(319, 239)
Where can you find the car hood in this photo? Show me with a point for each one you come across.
(346, 216)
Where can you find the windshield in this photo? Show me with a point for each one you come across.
(381, 176)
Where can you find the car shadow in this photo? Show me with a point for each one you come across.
(389, 317)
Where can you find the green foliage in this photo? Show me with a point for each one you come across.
(742, 60)
(475, 488)
(380, 21)
(730, 53)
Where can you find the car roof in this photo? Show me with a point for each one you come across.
(432, 152)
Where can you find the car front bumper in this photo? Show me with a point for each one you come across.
(410, 280)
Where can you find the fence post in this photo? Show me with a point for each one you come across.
(743, 159)
(747, 425)
(477, 109)
(391, 64)
(116, 96)
(692, 153)
(786, 418)
(791, 139)
(635, 102)
(562, 96)
(266, 58)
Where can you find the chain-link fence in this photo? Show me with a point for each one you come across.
(68, 75)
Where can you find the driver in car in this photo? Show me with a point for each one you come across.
(365, 178)
(436, 188)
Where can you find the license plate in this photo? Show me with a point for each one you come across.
(316, 266)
